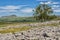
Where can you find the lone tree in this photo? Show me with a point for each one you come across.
(42, 12)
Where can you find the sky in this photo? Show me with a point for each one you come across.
(24, 8)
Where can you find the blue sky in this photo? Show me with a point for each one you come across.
(25, 7)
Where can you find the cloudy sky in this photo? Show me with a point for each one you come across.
(25, 7)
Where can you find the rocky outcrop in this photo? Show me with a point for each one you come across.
(38, 33)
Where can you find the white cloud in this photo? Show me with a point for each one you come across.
(55, 3)
(27, 10)
(41, 2)
(57, 10)
(49, 2)
(10, 8)
(55, 6)
(16, 9)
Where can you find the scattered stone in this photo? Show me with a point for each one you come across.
(45, 35)
(39, 33)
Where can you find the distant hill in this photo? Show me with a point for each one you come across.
(9, 16)
(14, 18)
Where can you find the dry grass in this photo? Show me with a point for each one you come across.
(15, 30)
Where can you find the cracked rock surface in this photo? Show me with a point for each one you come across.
(44, 33)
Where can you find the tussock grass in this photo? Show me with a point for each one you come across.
(12, 30)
